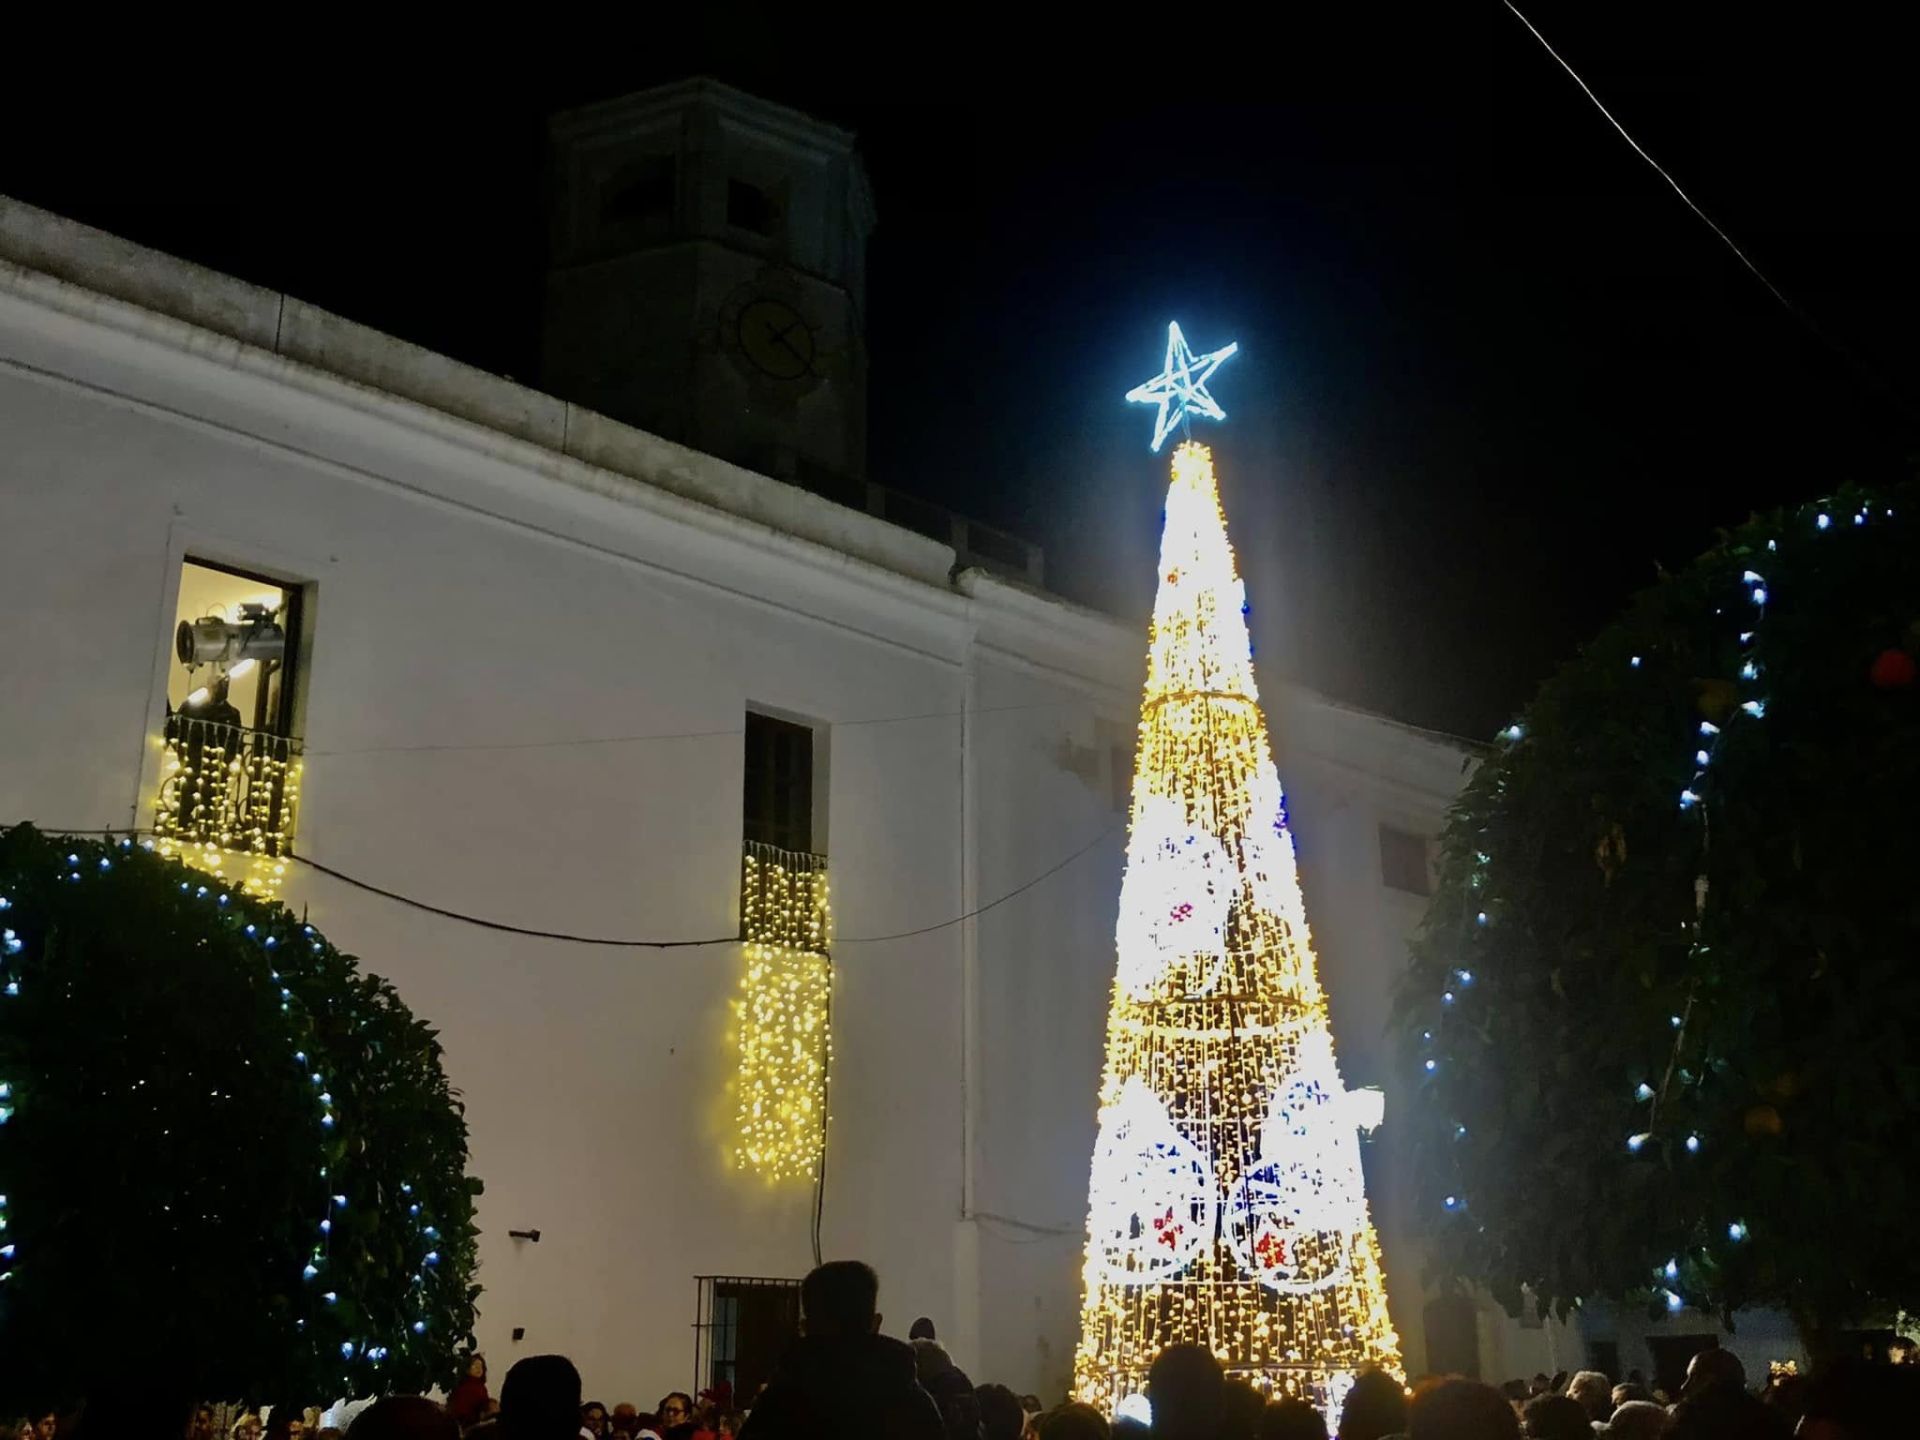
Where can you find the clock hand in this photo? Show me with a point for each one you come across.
(780, 337)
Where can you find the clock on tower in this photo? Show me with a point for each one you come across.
(769, 338)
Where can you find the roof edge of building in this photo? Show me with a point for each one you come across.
(101, 263)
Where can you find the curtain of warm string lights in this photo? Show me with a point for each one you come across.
(1226, 1203)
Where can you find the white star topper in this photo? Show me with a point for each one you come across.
(1180, 389)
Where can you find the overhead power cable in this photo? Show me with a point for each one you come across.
(613, 942)
(501, 925)
(1864, 371)
(1658, 168)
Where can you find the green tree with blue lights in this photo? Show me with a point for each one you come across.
(1663, 1020)
(230, 1162)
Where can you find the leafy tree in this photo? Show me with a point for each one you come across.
(231, 1164)
(1663, 1021)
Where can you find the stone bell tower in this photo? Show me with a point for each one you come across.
(708, 278)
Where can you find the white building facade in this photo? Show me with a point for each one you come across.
(524, 644)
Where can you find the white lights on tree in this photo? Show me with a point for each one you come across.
(1173, 902)
(1285, 1217)
(1156, 1205)
(1368, 1107)
(1227, 1206)
(1180, 389)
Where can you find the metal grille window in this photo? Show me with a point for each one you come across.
(742, 1326)
(778, 790)
(1403, 861)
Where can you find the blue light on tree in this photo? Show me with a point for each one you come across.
(1180, 389)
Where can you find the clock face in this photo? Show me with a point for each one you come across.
(775, 339)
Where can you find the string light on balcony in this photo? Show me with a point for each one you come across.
(782, 1038)
(229, 797)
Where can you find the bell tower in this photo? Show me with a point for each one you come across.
(707, 279)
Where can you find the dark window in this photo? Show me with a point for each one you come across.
(779, 783)
(1671, 1356)
(639, 191)
(1604, 1356)
(749, 208)
(1403, 861)
(1453, 1337)
(744, 1326)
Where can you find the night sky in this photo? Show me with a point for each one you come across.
(1492, 370)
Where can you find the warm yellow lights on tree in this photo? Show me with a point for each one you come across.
(781, 1036)
(1227, 1205)
(228, 801)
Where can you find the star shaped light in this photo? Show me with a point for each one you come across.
(1180, 389)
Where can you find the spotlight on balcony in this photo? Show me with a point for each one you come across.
(211, 640)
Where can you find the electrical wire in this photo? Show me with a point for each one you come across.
(611, 942)
(1658, 169)
(1046, 874)
(500, 925)
(1864, 371)
(1039, 1232)
(826, 1116)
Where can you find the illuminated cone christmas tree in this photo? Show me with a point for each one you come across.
(1227, 1205)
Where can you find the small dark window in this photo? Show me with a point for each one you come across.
(1671, 1356)
(1453, 1337)
(779, 783)
(639, 191)
(1604, 1356)
(1403, 861)
(749, 208)
(743, 1327)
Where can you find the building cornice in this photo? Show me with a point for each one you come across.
(278, 355)
(80, 271)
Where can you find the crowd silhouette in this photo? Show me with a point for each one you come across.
(843, 1377)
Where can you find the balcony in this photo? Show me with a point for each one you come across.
(783, 898)
(782, 1037)
(227, 802)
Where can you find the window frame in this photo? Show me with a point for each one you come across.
(711, 1330)
(292, 621)
(763, 198)
(1391, 840)
(789, 817)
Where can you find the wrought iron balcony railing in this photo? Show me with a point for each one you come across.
(783, 898)
(228, 799)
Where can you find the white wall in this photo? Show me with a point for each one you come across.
(593, 1077)
(477, 591)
